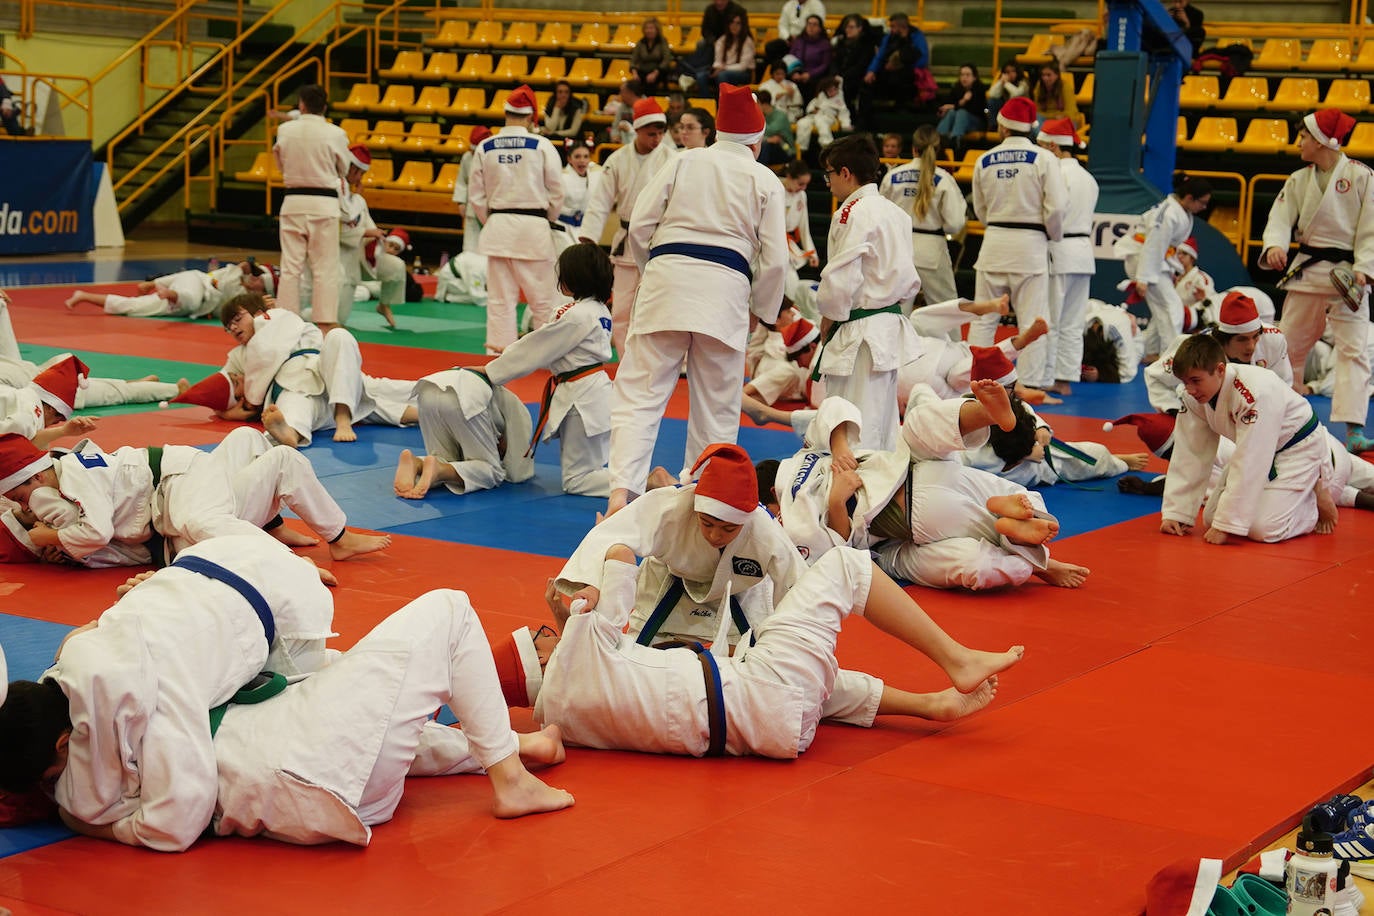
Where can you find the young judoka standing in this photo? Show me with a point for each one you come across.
(1327, 201)
(709, 261)
(868, 276)
(1072, 264)
(1273, 487)
(937, 208)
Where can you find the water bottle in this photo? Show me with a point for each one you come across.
(1311, 874)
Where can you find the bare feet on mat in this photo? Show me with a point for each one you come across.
(1028, 531)
(974, 666)
(293, 538)
(354, 544)
(994, 399)
(183, 386)
(1326, 510)
(1063, 575)
(407, 469)
(1011, 505)
(275, 423)
(1136, 461)
(428, 468)
(343, 424)
(949, 705)
(543, 748)
(386, 313)
(526, 794)
(1061, 388)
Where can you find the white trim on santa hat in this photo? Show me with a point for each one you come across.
(721, 510)
(15, 478)
(1310, 123)
(512, 108)
(1187, 248)
(803, 341)
(398, 240)
(1004, 118)
(650, 117)
(365, 166)
(1251, 323)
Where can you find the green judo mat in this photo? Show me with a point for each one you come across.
(115, 365)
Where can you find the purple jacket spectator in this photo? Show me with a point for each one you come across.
(814, 55)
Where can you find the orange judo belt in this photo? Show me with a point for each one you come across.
(546, 399)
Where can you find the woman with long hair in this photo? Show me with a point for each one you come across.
(937, 209)
(564, 113)
(697, 128)
(735, 53)
(1053, 94)
(812, 47)
(962, 110)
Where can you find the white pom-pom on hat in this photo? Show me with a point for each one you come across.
(1107, 427)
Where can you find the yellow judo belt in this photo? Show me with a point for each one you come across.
(546, 399)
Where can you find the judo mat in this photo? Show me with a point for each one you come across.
(1170, 708)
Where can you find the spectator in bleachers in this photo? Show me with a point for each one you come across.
(793, 18)
(621, 108)
(777, 131)
(472, 229)
(564, 113)
(1053, 94)
(812, 47)
(963, 108)
(696, 68)
(823, 113)
(786, 97)
(1010, 84)
(651, 60)
(734, 62)
(698, 128)
(899, 70)
(853, 52)
(892, 146)
(1189, 19)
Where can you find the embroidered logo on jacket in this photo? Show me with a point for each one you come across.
(743, 566)
(1244, 392)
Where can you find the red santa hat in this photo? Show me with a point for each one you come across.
(1238, 314)
(1329, 127)
(57, 384)
(400, 237)
(647, 112)
(1189, 247)
(517, 668)
(1259, 297)
(992, 363)
(1018, 113)
(214, 391)
(360, 156)
(271, 276)
(1185, 888)
(738, 116)
(727, 488)
(799, 334)
(1156, 430)
(15, 547)
(1060, 132)
(479, 133)
(521, 102)
(20, 459)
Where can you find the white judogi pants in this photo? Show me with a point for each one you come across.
(506, 279)
(310, 238)
(623, 292)
(1068, 313)
(1030, 298)
(875, 394)
(643, 384)
(263, 477)
(469, 446)
(1166, 313)
(1305, 317)
(583, 458)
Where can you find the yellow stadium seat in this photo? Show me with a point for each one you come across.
(584, 71)
(708, 104)
(362, 97)
(688, 42)
(1279, 54)
(379, 174)
(594, 114)
(476, 67)
(356, 129)
(518, 37)
(1246, 93)
(1214, 135)
(617, 71)
(1266, 136)
(497, 108)
(433, 100)
(1199, 92)
(387, 135)
(541, 100)
(454, 34)
(589, 38)
(397, 99)
(1181, 133)
(406, 65)
(547, 71)
(1226, 220)
(1350, 96)
(625, 38)
(1327, 55)
(553, 38)
(1361, 142)
(511, 68)
(673, 35)
(445, 179)
(484, 34)
(468, 101)
(1038, 51)
(458, 141)
(1365, 61)
(441, 67)
(1084, 96)
(423, 137)
(964, 173)
(264, 167)
(1297, 94)
(416, 175)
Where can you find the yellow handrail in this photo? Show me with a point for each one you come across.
(1250, 242)
(26, 79)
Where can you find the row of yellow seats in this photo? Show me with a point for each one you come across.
(1295, 94)
(591, 38)
(415, 175)
(1325, 55)
(437, 101)
(425, 137)
(1263, 136)
(1038, 51)
(443, 66)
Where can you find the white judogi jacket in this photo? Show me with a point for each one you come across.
(1259, 412)
(946, 215)
(1334, 218)
(21, 411)
(142, 683)
(577, 192)
(275, 354)
(869, 267)
(1165, 390)
(1017, 182)
(1073, 254)
(516, 170)
(1151, 241)
(1194, 287)
(578, 336)
(623, 177)
(800, 246)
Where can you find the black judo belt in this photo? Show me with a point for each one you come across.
(156, 543)
(311, 192)
(526, 211)
(919, 231)
(619, 249)
(715, 695)
(1032, 227)
(1315, 255)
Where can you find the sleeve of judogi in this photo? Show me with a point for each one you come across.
(978, 190)
(272, 343)
(770, 274)
(1055, 202)
(537, 349)
(1190, 466)
(342, 157)
(477, 185)
(953, 207)
(234, 362)
(460, 186)
(95, 528)
(640, 526)
(1364, 226)
(1150, 266)
(1283, 215)
(1278, 361)
(804, 228)
(833, 413)
(553, 177)
(648, 211)
(600, 199)
(1257, 442)
(1161, 386)
(843, 275)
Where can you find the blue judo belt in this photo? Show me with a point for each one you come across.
(713, 253)
(275, 388)
(239, 584)
(669, 601)
(1306, 430)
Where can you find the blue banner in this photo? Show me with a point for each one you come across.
(46, 198)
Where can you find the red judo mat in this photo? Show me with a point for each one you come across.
(1176, 706)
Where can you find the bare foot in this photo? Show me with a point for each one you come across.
(147, 378)
(385, 312)
(994, 399)
(407, 470)
(1063, 575)
(1136, 461)
(1063, 388)
(1000, 306)
(661, 477)
(146, 286)
(1302, 389)
(948, 705)
(327, 577)
(974, 667)
(1038, 329)
(354, 544)
(293, 538)
(343, 432)
(620, 498)
(1011, 505)
(183, 386)
(79, 296)
(1031, 395)
(1028, 531)
(276, 425)
(428, 468)
(1326, 510)
(543, 748)
(526, 794)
